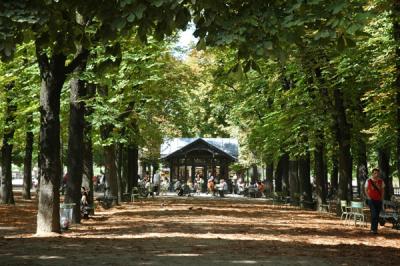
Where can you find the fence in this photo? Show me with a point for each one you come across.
(396, 191)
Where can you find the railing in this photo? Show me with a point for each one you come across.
(396, 191)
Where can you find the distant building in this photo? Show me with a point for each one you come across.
(187, 157)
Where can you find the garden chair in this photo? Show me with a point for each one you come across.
(134, 194)
(345, 210)
(357, 213)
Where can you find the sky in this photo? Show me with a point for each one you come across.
(185, 42)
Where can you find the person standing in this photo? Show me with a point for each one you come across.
(374, 190)
(156, 182)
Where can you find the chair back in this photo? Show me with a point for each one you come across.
(343, 205)
(357, 206)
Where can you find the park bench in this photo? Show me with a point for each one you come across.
(390, 213)
(279, 199)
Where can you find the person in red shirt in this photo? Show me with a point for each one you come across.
(374, 190)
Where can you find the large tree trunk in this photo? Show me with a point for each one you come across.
(294, 186)
(278, 175)
(344, 139)
(111, 171)
(75, 139)
(335, 171)
(6, 192)
(304, 177)
(120, 182)
(282, 175)
(87, 180)
(269, 174)
(384, 167)
(319, 170)
(254, 172)
(26, 191)
(109, 155)
(396, 35)
(133, 166)
(52, 73)
(362, 167)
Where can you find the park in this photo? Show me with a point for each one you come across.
(164, 132)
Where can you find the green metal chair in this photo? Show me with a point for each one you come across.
(357, 213)
(346, 210)
(135, 194)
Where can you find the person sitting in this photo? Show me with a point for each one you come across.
(222, 187)
(240, 186)
(85, 203)
(211, 185)
(260, 188)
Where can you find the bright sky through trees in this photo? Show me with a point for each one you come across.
(185, 42)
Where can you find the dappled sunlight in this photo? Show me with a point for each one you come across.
(177, 229)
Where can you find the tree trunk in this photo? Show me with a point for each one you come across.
(88, 174)
(362, 167)
(294, 179)
(269, 174)
(109, 155)
(344, 139)
(26, 191)
(304, 177)
(52, 73)
(396, 35)
(282, 176)
(133, 167)
(111, 171)
(254, 172)
(384, 167)
(75, 140)
(6, 192)
(118, 162)
(335, 171)
(319, 169)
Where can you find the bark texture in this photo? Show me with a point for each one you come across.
(75, 139)
(52, 72)
(26, 191)
(343, 137)
(6, 192)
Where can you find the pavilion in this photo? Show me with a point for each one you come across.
(187, 157)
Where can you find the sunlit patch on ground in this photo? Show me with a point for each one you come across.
(181, 231)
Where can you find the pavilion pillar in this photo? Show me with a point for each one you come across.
(213, 172)
(171, 170)
(193, 171)
(179, 170)
(226, 166)
(222, 171)
(205, 177)
(185, 172)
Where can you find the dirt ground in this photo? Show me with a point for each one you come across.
(195, 231)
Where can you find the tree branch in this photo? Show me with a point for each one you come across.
(79, 60)
(42, 59)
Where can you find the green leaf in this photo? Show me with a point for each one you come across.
(338, 6)
(157, 3)
(139, 10)
(131, 17)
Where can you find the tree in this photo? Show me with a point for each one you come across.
(53, 25)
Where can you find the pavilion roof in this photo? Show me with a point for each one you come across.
(227, 145)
